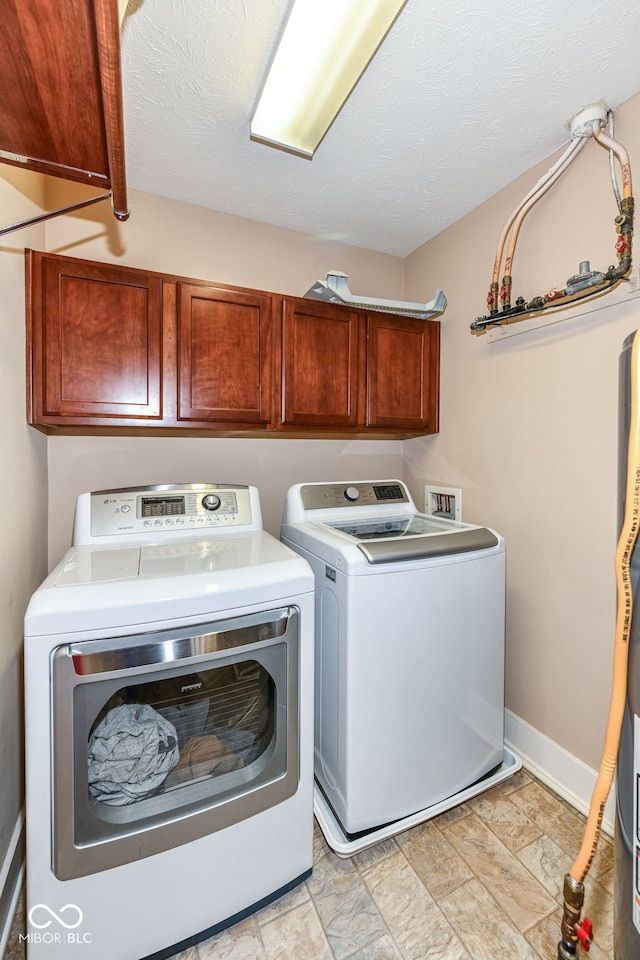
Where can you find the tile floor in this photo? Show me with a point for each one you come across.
(480, 882)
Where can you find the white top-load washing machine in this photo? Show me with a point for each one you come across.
(410, 608)
(169, 724)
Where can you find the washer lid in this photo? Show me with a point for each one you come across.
(416, 548)
(388, 539)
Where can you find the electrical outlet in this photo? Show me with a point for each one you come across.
(443, 502)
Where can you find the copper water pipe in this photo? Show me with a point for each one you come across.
(515, 220)
(573, 146)
(531, 201)
(624, 222)
(621, 154)
(519, 213)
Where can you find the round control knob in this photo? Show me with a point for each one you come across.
(211, 501)
(351, 493)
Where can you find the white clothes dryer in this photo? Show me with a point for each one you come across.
(409, 706)
(169, 725)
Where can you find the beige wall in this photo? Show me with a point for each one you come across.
(77, 464)
(180, 238)
(177, 238)
(528, 425)
(23, 491)
(529, 431)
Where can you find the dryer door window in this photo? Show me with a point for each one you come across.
(161, 738)
(171, 734)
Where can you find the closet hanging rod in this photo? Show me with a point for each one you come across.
(54, 213)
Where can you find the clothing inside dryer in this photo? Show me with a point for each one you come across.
(159, 735)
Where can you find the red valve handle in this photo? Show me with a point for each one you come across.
(584, 932)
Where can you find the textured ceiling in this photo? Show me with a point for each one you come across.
(462, 98)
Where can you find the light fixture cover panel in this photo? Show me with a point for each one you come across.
(323, 51)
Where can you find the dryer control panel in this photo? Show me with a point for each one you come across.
(162, 509)
(322, 496)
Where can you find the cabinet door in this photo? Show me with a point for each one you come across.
(97, 343)
(321, 350)
(403, 362)
(225, 357)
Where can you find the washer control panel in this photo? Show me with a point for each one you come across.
(169, 508)
(320, 496)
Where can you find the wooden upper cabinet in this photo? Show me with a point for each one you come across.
(403, 360)
(96, 338)
(225, 369)
(322, 348)
(121, 349)
(61, 105)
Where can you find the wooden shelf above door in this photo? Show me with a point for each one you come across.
(61, 105)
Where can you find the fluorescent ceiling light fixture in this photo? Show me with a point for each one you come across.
(323, 51)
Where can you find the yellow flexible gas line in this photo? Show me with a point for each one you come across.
(572, 927)
(624, 551)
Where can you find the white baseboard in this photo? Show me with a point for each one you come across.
(565, 774)
(11, 880)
